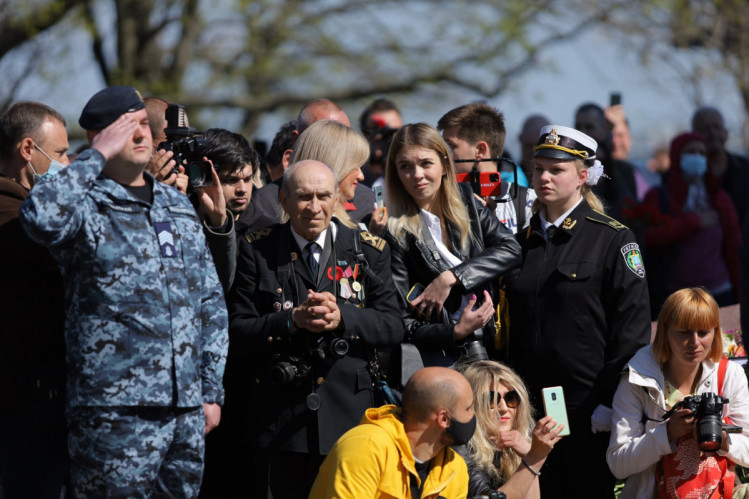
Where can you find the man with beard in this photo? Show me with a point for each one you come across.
(405, 452)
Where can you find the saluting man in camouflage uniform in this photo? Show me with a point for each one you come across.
(146, 326)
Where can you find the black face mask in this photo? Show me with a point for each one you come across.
(461, 433)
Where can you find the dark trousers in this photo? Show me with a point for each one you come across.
(292, 473)
(576, 467)
(33, 455)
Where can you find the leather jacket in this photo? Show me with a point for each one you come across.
(492, 252)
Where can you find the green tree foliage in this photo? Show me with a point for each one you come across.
(699, 39)
(257, 56)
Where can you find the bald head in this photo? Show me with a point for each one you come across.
(156, 109)
(320, 109)
(708, 122)
(431, 389)
(528, 136)
(308, 195)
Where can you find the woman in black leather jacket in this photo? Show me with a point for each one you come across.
(444, 240)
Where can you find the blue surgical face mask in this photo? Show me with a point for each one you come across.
(693, 165)
(54, 167)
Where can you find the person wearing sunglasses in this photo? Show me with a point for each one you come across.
(508, 447)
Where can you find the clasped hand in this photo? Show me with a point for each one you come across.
(318, 313)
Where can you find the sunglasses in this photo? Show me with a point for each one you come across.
(512, 399)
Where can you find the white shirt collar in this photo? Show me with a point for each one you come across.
(302, 242)
(558, 222)
(432, 222)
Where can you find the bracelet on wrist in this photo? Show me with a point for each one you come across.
(537, 473)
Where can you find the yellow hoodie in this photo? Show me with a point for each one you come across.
(374, 460)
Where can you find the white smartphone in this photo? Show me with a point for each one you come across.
(554, 406)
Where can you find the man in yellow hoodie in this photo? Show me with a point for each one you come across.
(405, 453)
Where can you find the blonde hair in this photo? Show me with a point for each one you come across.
(403, 210)
(689, 309)
(586, 191)
(483, 375)
(340, 147)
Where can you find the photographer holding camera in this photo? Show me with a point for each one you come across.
(443, 239)
(671, 453)
(311, 300)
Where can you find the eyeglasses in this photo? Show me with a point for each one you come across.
(512, 399)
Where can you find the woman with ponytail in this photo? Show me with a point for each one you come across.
(579, 307)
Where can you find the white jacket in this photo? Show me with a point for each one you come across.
(638, 444)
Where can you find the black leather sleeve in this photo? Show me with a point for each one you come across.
(498, 251)
(479, 482)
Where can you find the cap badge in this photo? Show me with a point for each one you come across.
(552, 139)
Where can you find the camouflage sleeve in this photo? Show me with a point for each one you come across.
(53, 212)
(214, 334)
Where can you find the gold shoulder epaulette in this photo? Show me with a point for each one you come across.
(376, 242)
(258, 235)
(604, 219)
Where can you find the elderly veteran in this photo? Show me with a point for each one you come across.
(311, 301)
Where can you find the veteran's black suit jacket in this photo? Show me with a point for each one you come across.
(271, 272)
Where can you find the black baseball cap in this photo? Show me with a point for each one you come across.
(109, 104)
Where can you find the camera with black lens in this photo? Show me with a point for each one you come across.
(708, 411)
(330, 348)
(288, 370)
(473, 348)
(188, 146)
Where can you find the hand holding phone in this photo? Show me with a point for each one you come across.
(379, 196)
(415, 291)
(555, 407)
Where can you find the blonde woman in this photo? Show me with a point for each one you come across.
(341, 148)
(579, 306)
(443, 240)
(508, 447)
(684, 359)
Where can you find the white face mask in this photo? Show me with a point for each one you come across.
(54, 166)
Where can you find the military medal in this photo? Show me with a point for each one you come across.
(345, 289)
(356, 286)
(277, 306)
(287, 305)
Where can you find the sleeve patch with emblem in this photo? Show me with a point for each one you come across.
(376, 242)
(633, 258)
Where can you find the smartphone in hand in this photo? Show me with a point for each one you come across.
(379, 197)
(416, 290)
(555, 407)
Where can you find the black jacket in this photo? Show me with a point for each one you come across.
(271, 278)
(579, 308)
(479, 481)
(493, 253)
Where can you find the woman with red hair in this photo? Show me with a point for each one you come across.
(693, 238)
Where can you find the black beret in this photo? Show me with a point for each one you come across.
(109, 104)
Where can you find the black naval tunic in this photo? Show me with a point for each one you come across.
(579, 310)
